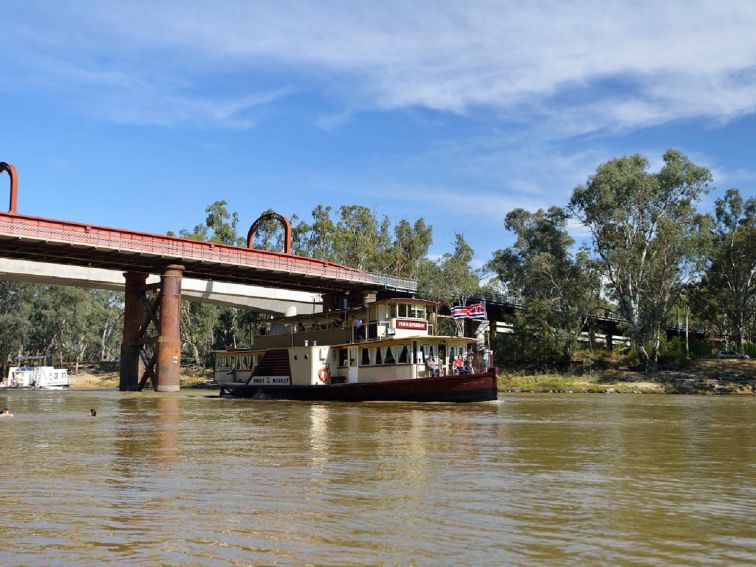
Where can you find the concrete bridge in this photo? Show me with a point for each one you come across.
(256, 298)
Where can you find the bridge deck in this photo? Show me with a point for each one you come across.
(63, 242)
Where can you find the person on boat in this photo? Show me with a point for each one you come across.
(431, 366)
(93, 413)
(460, 365)
(469, 362)
(359, 330)
(486, 358)
(6, 413)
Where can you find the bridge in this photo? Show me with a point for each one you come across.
(139, 254)
(256, 298)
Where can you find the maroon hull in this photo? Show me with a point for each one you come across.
(462, 388)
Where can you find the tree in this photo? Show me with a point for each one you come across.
(220, 226)
(559, 291)
(359, 239)
(15, 324)
(728, 288)
(315, 240)
(411, 244)
(451, 280)
(644, 226)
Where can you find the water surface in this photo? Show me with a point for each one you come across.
(531, 479)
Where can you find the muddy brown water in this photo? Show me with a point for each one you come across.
(191, 479)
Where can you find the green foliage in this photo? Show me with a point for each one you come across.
(451, 280)
(220, 226)
(559, 291)
(645, 230)
(726, 295)
(66, 323)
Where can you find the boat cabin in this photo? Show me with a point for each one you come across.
(391, 339)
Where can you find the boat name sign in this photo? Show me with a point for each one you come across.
(414, 325)
(270, 380)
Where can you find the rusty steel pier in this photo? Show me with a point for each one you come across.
(138, 254)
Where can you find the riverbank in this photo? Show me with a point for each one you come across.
(702, 377)
(93, 377)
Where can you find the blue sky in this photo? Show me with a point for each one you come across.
(139, 114)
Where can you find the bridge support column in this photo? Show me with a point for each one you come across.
(169, 339)
(132, 365)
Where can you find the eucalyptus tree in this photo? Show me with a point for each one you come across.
(451, 280)
(728, 288)
(560, 290)
(410, 248)
(15, 324)
(644, 228)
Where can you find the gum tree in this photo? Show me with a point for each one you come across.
(560, 290)
(728, 288)
(644, 227)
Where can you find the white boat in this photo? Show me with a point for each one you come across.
(31, 373)
(386, 350)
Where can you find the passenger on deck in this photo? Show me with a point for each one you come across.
(359, 330)
(459, 365)
(431, 366)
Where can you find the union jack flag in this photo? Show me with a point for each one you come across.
(474, 311)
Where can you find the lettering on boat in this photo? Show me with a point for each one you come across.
(271, 380)
(414, 325)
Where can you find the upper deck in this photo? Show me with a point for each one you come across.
(383, 319)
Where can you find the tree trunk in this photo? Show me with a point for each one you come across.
(687, 344)
(645, 359)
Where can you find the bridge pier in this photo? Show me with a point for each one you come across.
(164, 313)
(169, 339)
(132, 365)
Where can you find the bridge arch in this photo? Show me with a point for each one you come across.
(4, 166)
(271, 215)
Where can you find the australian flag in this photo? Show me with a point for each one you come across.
(474, 311)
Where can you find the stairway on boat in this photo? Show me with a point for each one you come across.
(275, 362)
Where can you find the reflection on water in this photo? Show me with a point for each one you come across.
(193, 479)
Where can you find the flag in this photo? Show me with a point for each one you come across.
(474, 311)
(459, 312)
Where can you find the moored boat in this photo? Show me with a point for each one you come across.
(386, 350)
(31, 372)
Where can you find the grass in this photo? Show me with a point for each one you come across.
(710, 376)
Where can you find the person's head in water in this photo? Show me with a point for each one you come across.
(6, 412)
(92, 413)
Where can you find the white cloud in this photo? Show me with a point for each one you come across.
(674, 59)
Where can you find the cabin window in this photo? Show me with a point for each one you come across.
(365, 360)
(403, 310)
(343, 356)
(390, 356)
(417, 311)
(378, 356)
(403, 355)
(421, 355)
(430, 351)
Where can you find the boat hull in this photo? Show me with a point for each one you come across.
(462, 388)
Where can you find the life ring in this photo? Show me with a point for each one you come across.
(324, 374)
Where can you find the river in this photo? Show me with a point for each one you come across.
(192, 479)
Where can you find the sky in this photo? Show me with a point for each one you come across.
(139, 114)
